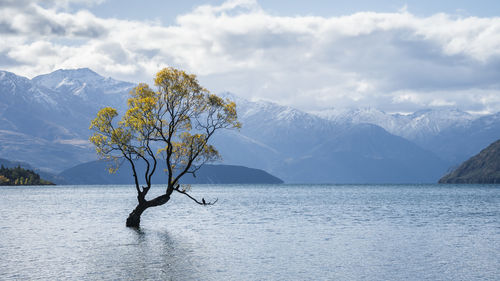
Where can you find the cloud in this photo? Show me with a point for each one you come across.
(393, 61)
(27, 18)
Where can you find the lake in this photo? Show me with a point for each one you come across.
(254, 232)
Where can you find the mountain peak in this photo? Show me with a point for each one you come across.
(12, 83)
(11, 76)
(68, 76)
(77, 71)
(4, 73)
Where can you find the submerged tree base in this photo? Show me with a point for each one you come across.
(133, 221)
(134, 218)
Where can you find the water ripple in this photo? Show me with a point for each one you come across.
(280, 232)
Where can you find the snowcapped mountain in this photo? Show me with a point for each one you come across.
(452, 134)
(52, 112)
(417, 126)
(68, 78)
(302, 147)
(44, 121)
(87, 85)
(32, 110)
(262, 111)
(17, 89)
(362, 115)
(460, 142)
(270, 123)
(425, 123)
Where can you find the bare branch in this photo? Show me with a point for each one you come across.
(203, 202)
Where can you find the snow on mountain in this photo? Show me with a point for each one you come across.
(13, 81)
(302, 147)
(44, 121)
(369, 115)
(17, 89)
(54, 111)
(31, 109)
(88, 86)
(79, 79)
(68, 77)
(254, 114)
(416, 126)
(431, 122)
(458, 143)
(451, 134)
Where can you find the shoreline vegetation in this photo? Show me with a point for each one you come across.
(20, 176)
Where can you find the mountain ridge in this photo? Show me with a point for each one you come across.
(412, 126)
(48, 127)
(35, 119)
(95, 172)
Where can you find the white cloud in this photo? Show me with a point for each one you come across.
(393, 61)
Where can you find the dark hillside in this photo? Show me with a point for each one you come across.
(482, 168)
(95, 172)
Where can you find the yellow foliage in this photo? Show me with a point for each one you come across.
(180, 116)
(3, 179)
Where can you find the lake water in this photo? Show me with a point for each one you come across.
(254, 232)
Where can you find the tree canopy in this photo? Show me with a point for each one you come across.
(173, 123)
(20, 176)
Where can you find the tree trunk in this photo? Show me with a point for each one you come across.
(134, 218)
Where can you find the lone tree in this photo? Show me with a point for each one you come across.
(172, 124)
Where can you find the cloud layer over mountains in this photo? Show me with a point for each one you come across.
(398, 62)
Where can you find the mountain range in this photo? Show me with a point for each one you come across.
(452, 134)
(44, 121)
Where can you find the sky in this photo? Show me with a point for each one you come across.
(397, 56)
